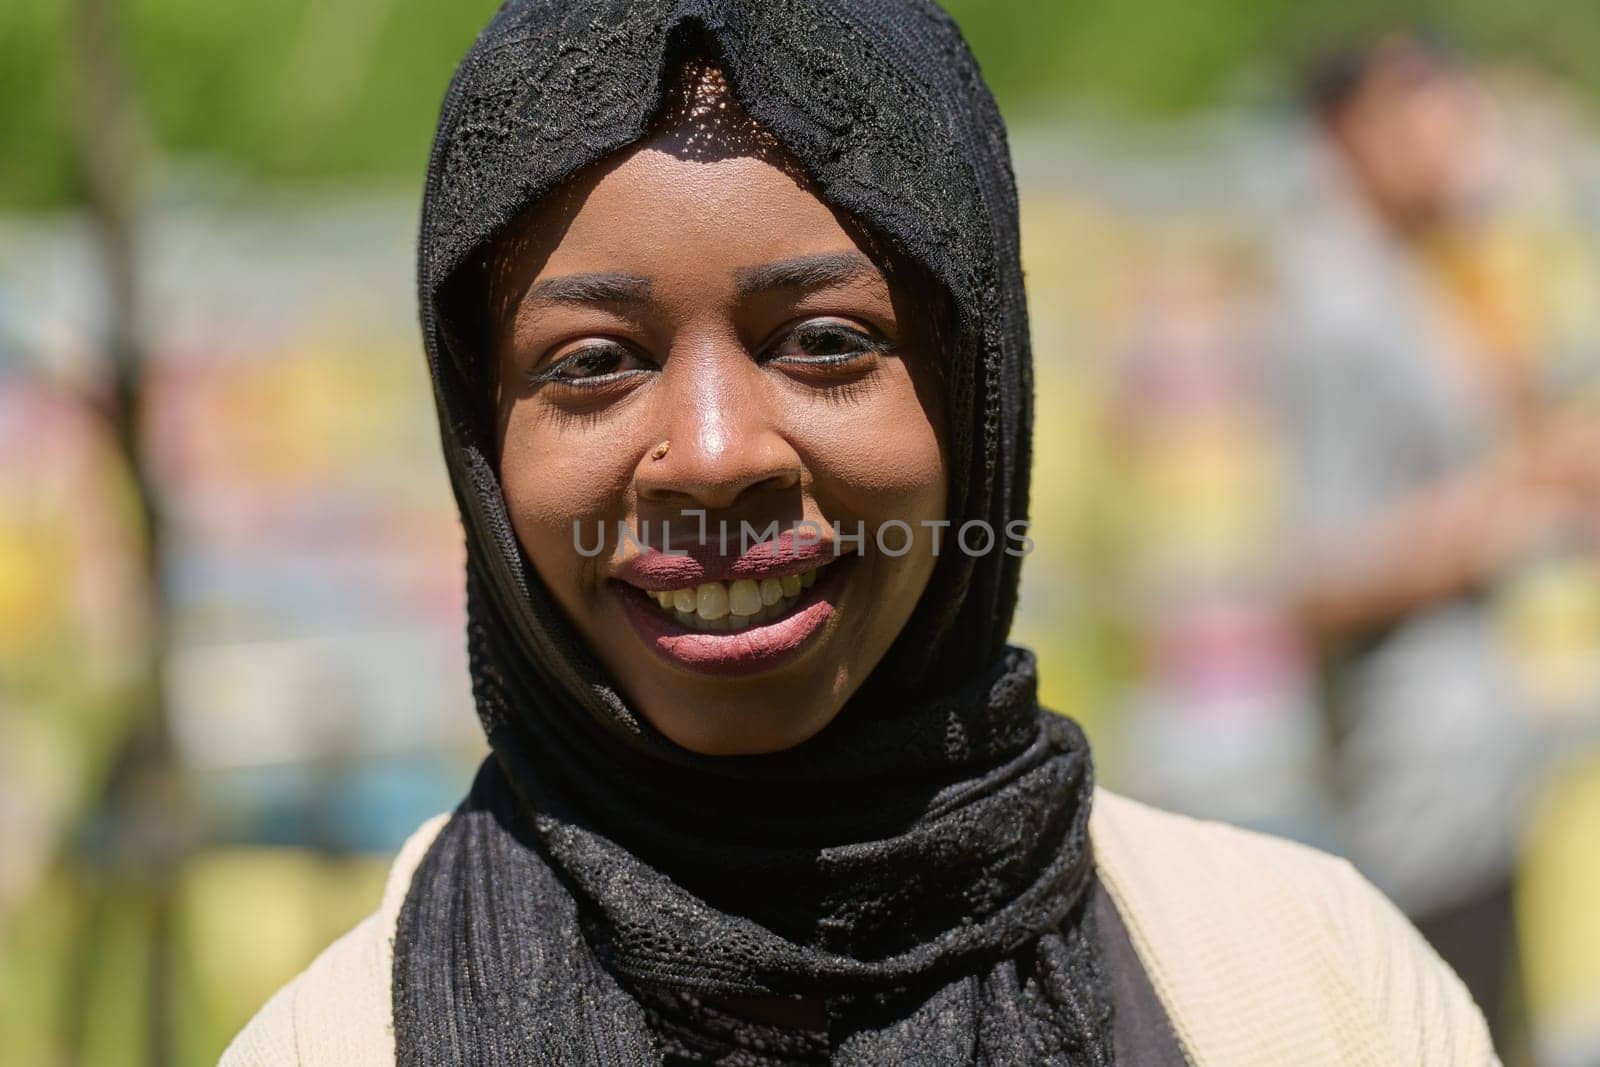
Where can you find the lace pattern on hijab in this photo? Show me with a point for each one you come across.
(921, 864)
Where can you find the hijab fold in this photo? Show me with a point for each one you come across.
(921, 864)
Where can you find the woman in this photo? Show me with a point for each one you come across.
(741, 281)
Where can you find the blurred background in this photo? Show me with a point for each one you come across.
(1315, 291)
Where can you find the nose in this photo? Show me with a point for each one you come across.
(722, 433)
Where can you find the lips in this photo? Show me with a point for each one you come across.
(742, 626)
(690, 565)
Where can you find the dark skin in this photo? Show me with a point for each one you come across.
(694, 289)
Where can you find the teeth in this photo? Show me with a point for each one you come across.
(721, 607)
(744, 597)
(711, 600)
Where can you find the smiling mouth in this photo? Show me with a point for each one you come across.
(732, 629)
(723, 607)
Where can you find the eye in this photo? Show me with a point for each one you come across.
(823, 343)
(594, 364)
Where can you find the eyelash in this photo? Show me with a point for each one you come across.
(867, 345)
(554, 372)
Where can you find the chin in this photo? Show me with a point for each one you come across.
(725, 724)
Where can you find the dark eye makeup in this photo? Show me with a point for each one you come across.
(813, 344)
(823, 342)
(596, 364)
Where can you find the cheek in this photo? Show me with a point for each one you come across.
(554, 477)
(880, 459)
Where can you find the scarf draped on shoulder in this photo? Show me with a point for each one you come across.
(921, 864)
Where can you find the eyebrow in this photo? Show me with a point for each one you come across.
(805, 272)
(594, 288)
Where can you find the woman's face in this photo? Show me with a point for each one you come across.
(694, 339)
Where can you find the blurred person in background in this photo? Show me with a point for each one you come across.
(1429, 474)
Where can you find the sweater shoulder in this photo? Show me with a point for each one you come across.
(1267, 951)
(1137, 839)
(338, 1010)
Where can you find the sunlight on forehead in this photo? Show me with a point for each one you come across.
(701, 120)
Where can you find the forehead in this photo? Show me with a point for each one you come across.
(656, 212)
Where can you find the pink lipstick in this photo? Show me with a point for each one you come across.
(712, 614)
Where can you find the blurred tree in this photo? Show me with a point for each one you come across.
(138, 830)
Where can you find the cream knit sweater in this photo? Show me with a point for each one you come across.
(1264, 953)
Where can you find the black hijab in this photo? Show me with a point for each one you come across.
(920, 864)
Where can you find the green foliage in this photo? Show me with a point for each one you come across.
(1160, 58)
(298, 89)
(315, 89)
(35, 167)
(277, 89)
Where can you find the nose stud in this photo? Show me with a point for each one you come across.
(660, 450)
